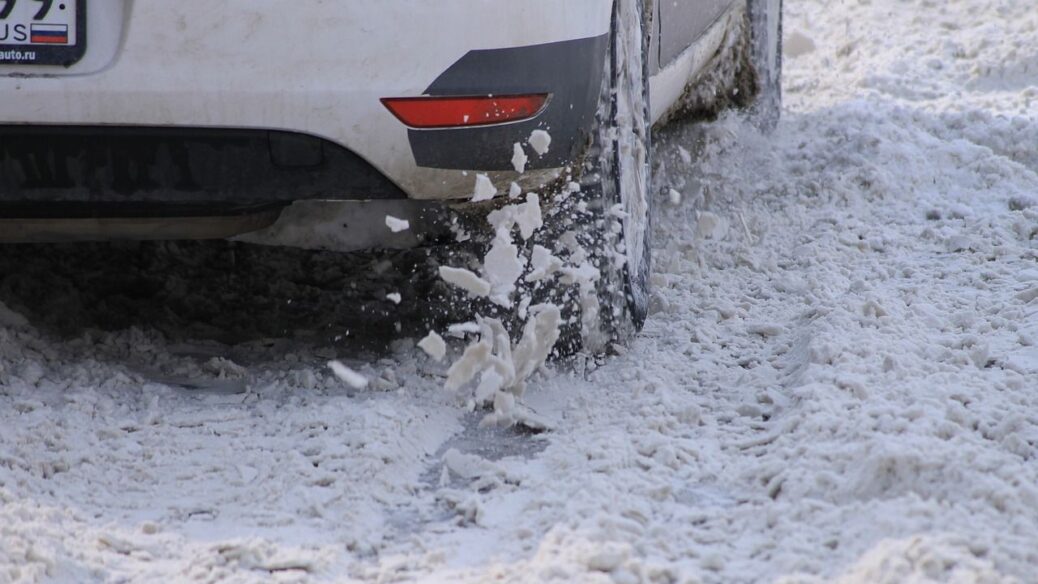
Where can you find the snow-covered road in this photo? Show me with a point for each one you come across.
(839, 381)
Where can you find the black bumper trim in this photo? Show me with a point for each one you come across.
(569, 70)
(115, 166)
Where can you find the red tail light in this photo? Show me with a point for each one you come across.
(460, 112)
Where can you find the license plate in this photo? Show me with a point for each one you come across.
(42, 32)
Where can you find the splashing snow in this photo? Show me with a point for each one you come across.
(347, 375)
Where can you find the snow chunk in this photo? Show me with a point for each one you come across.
(463, 328)
(434, 346)
(765, 329)
(394, 297)
(475, 358)
(224, 368)
(519, 158)
(527, 216)
(514, 191)
(503, 266)
(543, 264)
(485, 190)
(397, 225)
(540, 141)
(503, 368)
(466, 280)
(675, 197)
(539, 337)
(470, 466)
(347, 375)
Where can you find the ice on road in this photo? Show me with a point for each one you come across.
(838, 381)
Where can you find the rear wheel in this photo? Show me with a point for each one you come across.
(610, 217)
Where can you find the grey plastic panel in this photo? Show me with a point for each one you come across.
(682, 22)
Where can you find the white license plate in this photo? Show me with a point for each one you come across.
(42, 32)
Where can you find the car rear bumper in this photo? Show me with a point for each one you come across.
(320, 69)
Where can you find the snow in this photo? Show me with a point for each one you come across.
(540, 141)
(347, 375)
(466, 280)
(394, 297)
(526, 216)
(519, 158)
(503, 266)
(397, 225)
(485, 189)
(503, 368)
(434, 346)
(543, 264)
(836, 383)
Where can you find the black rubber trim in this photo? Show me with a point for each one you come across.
(128, 210)
(569, 70)
(221, 168)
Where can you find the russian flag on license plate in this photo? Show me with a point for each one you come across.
(49, 34)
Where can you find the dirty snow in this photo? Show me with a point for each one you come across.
(837, 382)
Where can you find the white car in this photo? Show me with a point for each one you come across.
(306, 122)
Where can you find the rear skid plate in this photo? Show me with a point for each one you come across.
(57, 230)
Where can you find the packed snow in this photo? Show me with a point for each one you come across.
(837, 382)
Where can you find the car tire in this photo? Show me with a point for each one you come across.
(764, 19)
(610, 216)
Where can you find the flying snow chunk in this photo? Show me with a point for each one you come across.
(503, 267)
(514, 191)
(474, 360)
(395, 297)
(485, 190)
(519, 158)
(434, 346)
(463, 328)
(543, 263)
(675, 197)
(466, 280)
(527, 216)
(397, 225)
(347, 375)
(540, 141)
